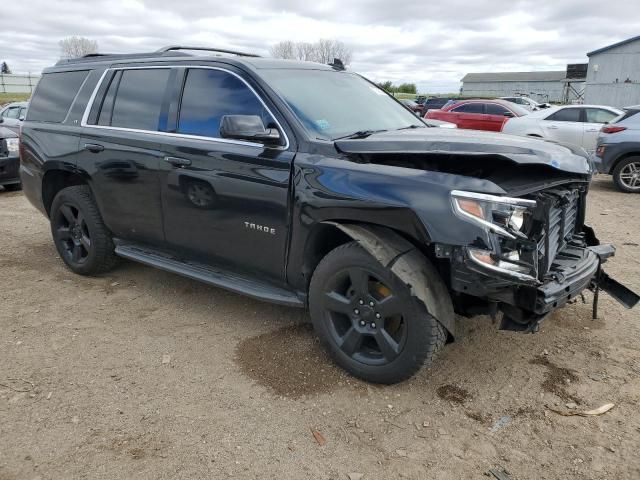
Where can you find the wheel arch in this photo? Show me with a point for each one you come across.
(622, 158)
(409, 263)
(58, 177)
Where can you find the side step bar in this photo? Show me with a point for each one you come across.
(218, 277)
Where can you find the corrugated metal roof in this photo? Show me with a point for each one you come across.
(552, 76)
(619, 44)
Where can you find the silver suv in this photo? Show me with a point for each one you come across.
(618, 150)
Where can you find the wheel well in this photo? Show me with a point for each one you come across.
(56, 180)
(621, 158)
(322, 239)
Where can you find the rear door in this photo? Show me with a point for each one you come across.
(594, 119)
(564, 125)
(470, 115)
(224, 201)
(119, 150)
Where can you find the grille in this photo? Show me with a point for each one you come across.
(559, 219)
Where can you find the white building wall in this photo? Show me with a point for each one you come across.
(552, 91)
(16, 83)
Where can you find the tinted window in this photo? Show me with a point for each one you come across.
(139, 97)
(565, 115)
(209, 95)
(598, 115)
(54, 95)
(106, 109)
(495, 109)
(469, 108)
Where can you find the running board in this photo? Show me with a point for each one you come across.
(217, 277)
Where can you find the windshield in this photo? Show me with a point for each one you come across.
(334, 104)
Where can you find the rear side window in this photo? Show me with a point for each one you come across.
(599, 115)
(54, 96)
(469, 108)
(138, 99)
(209, 95)
(566, 115)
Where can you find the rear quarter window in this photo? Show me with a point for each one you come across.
(54, 96)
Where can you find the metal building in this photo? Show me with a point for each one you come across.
(16, 83)
(613, 77)
(550, 86)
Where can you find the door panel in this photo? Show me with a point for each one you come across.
(125, 181)
(227, 202)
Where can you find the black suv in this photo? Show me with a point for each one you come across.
(309, 186)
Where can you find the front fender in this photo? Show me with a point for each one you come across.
(408, 264)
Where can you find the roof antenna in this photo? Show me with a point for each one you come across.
(337, 64)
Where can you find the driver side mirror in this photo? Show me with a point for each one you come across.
(1, 119)
(21, 118)
(250, 128)
(509, 114)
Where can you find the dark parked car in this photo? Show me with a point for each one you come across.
(9, 160)
(488, 115)
(307, 185)
(411, 105)
(433, 103)
(618, 150)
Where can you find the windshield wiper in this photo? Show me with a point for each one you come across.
(411, 127)
(360, 134)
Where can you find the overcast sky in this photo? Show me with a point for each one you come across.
(407, 41)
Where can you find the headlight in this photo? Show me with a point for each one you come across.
(12, 145)
(502, 215)
(510, 264)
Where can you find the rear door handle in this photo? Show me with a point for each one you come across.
(552, 127)
(93, 147)
(178, 162)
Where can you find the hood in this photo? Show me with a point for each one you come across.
(521, 150)
(6, 133)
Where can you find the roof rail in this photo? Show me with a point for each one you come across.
(207, 49)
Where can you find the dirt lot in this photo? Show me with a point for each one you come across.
(142, 374)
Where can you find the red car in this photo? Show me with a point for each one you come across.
(478, 114)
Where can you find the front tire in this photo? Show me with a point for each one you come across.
(626, 175)
(368, 320)
(81, 237)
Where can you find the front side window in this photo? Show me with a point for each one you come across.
(138, 99)
(11, 112)
(598, 115)
(469, 108)
(54, 95)
(565, 115)
(209, 95)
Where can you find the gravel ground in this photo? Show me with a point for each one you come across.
(143, 374)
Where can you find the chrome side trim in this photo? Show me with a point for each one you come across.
(92, 99)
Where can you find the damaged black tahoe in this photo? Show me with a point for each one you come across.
(307, 185)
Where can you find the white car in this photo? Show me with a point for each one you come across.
(526, 102)
(574, 124)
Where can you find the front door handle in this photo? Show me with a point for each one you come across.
(178, 162)
(552, 127)
(93, 147)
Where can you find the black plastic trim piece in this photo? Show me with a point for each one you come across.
(218, 277)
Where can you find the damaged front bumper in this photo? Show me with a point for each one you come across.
(524, 299)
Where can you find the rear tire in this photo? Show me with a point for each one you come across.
(81, 237)
(368, 320)
(626, 175)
